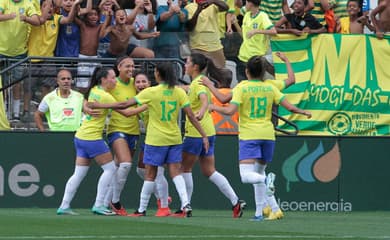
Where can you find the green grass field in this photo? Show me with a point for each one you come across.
(35, 223)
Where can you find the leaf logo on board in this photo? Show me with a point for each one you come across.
(312, 166)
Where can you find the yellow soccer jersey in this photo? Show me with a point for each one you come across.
(258, 44)
(92, 127)
(123, 91)
(205, 35)
(279, 84)
(14, 33)
(164, 105)
(207, 123)
(43, 38)
(255, 99)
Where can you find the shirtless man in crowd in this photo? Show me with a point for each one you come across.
(382, 24)
(120, 34)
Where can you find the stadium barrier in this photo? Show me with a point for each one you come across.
(313, 174)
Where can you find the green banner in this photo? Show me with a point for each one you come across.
(313, 174)
(344, 80)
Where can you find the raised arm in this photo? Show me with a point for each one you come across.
(45, 9)
(290, 72)
(149, 10)
(106, 27)
(87, 8)
(133, 14)
(72, 13)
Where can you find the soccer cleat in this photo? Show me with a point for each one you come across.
(267, 211)
(137, 214)
(159, 202)
(102, 211)
(270, 186)
(163, 212)
(257, 219)
(120, 212)
(178, 213)
(275, 215)
(238, 208)
(185, 212)
(66, 211)
(187, 209)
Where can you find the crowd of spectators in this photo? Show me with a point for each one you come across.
(151, 28)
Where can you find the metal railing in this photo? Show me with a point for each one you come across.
(25, 69)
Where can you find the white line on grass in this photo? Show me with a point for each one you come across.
(192, 237)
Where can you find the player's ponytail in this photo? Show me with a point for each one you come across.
(96, 79)
(167, 73)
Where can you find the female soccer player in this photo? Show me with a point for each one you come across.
(90, 145)
(122, 132)
(163, 143)
(141, 82)
(254, 99)
(197, 66)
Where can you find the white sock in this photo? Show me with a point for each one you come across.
(224, 186)
(104, 182)
(72, 185)
(16, 107)
(271, 201)
(146, 192)
(161, 187)
(260, 198)
(108, 196)
(120, 179)
(260, 168)
(141, 172)
(249, 175)
(181, 190)
(189, 184)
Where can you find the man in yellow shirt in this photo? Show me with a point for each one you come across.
(203, 28)
(14, 36)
